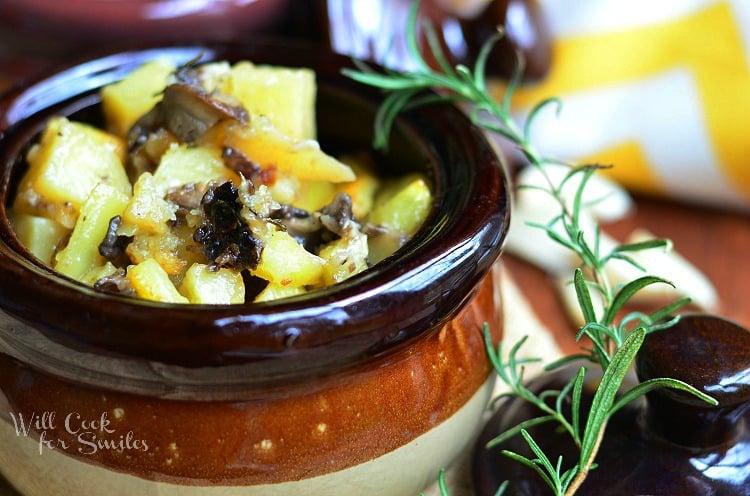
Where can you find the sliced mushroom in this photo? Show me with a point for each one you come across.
(186, 111)
(187, 197)
(239, 162)
(116, 284)
(113, 245)
(300, 224)
(226, 238)
(337, 216)
(145, 155)
(315, 229)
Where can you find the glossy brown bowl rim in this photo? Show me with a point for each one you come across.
(412, 292)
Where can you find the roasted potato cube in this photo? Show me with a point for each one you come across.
(314, 195)
(172, 249)
(151, 282)
(260, 141)
(82, 251)
(384, 244)
(284, 95)
(182, 165)
(286, 263)
(40, 235)
(344, 257)
(285, 189)
(147, 210)
(277, 291)
(126, 101)
(402, 205)
(69, 161)
(203, 285)
(213, 76)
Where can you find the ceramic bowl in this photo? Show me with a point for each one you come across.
(107, 21)
(369, 386)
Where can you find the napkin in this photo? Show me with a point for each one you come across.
(659, 89)
(519, 320)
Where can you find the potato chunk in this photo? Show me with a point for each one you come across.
(70, 160)
(284, 95)
(403, 205)
(93, 275)
(147, 210)
(344, 257)
(269, 148)
(313, 195)
(126, 101)
(172, 249)
(82, 251)
(41, 236)
(285, 262)
(182, 164)
(203, 285)
(277, 291)
(151, 282)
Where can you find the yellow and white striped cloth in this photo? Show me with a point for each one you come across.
(659, 88)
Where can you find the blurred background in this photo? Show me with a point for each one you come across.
(660, 87)
(37, 33)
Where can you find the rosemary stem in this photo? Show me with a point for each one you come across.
(613, 346)
(583, 471)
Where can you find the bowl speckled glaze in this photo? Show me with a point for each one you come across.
(369, 386)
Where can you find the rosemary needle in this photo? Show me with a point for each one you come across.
(614, 341)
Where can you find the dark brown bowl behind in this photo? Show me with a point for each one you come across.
(420, 287)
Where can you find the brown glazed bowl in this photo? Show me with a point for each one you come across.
(107, 21)
(367, 387)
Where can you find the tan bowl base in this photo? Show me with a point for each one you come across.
(401, 472)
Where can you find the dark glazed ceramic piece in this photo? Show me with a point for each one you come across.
(353, 28)
(105, 21)
(420, 287)
(670, 444)
(372, 30)
(525, 33)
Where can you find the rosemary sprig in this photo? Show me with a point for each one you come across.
(614, 340)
